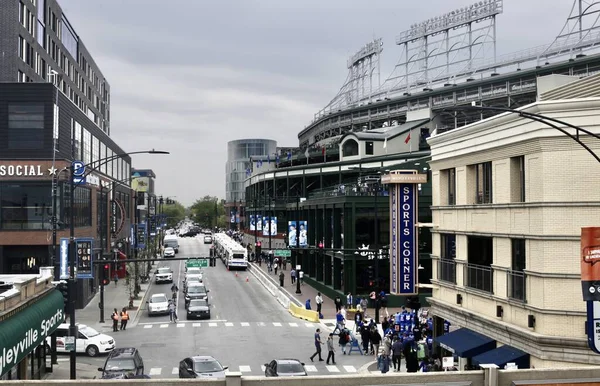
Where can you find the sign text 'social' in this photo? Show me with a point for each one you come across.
(21, 170)
(31, 338)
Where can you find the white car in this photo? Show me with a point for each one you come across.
(164, 274)
(169, 252)
(88, 340)
(207, 239)
(158, 305)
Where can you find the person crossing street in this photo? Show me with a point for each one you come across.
(172, 311)
(318, 344)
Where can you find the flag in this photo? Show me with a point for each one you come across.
(324, 156)
(407, 140)
(289, 155)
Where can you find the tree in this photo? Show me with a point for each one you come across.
(208, 212)
(174, 212)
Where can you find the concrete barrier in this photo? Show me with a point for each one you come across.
(283, 300)
(272, 288)
(303, 313)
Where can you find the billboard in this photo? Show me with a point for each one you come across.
(140, 184)
(255, 222)
(297, 235)
(590, 269)
(273, 226)
(84, 255)
(232, 216)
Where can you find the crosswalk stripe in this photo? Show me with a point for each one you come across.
(148, 326)
(245, 369)
(164, 325)
(175, 371)
(245, 324)
(293, 324)
(229, 324)
(350, 369)
(212, 324)
(155, 371)
(332, 369)
(311, 368)
(180, 325)
(276, 324)
(261, 324)
(309, 325)
(197, 325)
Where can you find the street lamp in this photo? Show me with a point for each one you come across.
(82, 174)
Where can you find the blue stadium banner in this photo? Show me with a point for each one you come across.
(141, 236)
(84, 258)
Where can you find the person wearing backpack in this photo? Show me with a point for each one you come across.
(344, 336)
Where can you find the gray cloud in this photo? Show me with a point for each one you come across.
(189, 75)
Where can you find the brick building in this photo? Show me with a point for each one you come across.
(510, 196)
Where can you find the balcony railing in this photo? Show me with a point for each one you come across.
(447, 270)
(516, 285)
(479, 277)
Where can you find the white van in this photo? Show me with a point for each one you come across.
(171, 241)
(88, 340)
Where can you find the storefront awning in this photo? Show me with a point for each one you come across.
(466, 343)
(23, 332)
(503, 355)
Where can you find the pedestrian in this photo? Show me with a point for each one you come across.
(383, 362)
(269, 267)
(318, 344)
(397, 354)
(331, 349)
(339, 318)
(284, 263)
(319, 302)
(384, 303)
(275, 267)
(344, 338)
(115, 319)
(349, 301)
(301, 277)
(375, 339)
(307, 305)
(281, 278)
(124, 318)
(410, 355)
(365, 336)
(116, 279)
(364, 303)
(172, 312)
(293, 276)
(338, 303)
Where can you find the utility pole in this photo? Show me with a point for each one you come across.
(298, 290)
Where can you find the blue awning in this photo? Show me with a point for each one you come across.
(503, 355)
(466, 343)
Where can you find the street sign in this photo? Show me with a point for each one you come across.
(84, 247)
(69, 343)
(283, 253)
(196, 263)
(64, 258)
(78, 168)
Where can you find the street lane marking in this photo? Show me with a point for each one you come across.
(261, 324)
(148, 326)
(311, 368)
(175, 371)
(332, 369)
(197, 325)
(309, 325)
(212, 324)
(155, 371)
(185, 321)
(245, 324)
(229, 324)
(293, 324)
(164, 326)
(180, 325)
(350, 369)
(245, 369)
(276, 324)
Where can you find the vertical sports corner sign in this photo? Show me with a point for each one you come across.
(403, 229)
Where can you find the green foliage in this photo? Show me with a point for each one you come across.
(175, 212)
(209, 211)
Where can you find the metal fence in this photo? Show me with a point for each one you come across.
(447, 270)
(480, 277)
(516, 285)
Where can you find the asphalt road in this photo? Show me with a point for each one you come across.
(248, 327)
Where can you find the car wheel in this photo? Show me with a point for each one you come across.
(92, 350)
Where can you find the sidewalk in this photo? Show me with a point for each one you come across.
(115, 296)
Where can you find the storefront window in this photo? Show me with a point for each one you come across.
(82, 208)
(25, 205)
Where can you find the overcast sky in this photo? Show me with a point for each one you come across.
(188, 76)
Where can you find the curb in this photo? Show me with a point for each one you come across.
(282, 289)
(364, 369)
(135, 321)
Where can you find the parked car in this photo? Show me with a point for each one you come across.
(123, 362)
(285, 368)
(163, 274)
(88, 340)
(158, 305)
(169, 252)
(201, 367)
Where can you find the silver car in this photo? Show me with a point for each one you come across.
(158, 305)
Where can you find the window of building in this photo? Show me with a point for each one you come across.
(69, 38)
(102, 156)
(22, 47)
(25, 205)
(26, 126)
(41, 10)
(41, 34)
(20, 76)
(87, 147)
(101, 202)
(22, 9)
(516, 277)
(82, 207)
(369, 148)
(76, 127)
(517, 179)
(478, 271)
(483, 183)
(451, 177)
(95, 150)
(350, 148)
(447, 267)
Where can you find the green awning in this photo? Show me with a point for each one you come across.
(23, 332)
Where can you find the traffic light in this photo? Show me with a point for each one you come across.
(105, 278)
(258, 248)
(64, 290)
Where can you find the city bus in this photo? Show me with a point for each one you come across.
(233, 255)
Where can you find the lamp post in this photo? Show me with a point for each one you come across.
(72, 250)
(298, 290)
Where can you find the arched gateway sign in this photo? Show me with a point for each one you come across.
(404, 249)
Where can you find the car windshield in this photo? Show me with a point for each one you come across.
(164, 270)
(197, 289)
(158, 299)
(119, 365)
(207, 367)
(198, 303)
(288, 368)
(88, 331)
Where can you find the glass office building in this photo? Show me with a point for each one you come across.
(238, 162)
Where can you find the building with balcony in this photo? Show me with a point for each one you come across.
(510, 196)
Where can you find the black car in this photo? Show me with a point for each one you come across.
(195, 292)
(201, 367)
(198, 309)
(285, 368)
(123, 363)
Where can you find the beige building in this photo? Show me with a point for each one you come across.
(510, 196)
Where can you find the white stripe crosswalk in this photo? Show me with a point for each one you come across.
(156, 371)
(184, 324)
